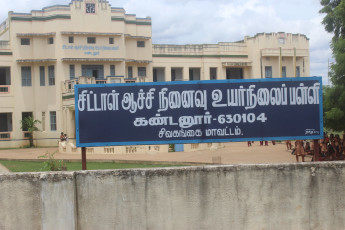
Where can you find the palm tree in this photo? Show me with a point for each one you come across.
(29, 124)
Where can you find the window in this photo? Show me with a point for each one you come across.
(234, 73)
(213, 73)
(194, 74)
(191, 74)
(155, 77)
(25, 41)
(111, 40)
(284, 71)
(50, 41)
(140, 43)
(298, 73)
(130, 72)
(112, 70)
(268, 71)
(70, 39)
(176, 74)
(42, 76)
(52, 121)
(26, 76)
(5, 77)
(51, 75)
(173, 75)
(142, 71)
(281, 40)
(303, 65)
(71, 72)
(43, 121)
(91, 40)
(90, 8)
(26, 115)
(5, 125)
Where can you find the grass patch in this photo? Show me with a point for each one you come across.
(36, 166)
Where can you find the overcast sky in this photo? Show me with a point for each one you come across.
(213, 21)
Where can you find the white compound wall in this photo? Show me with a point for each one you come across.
(280, 196)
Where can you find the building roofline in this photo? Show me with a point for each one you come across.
(55, 6)
(200, 56)
(35, 60)
(29, 17)
(92, 59)
(271, 33)
(36, 34)
(44, 9)
(90, 33)
(202, 45)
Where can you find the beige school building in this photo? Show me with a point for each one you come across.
(44, 53)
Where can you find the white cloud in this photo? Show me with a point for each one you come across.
(212, 21)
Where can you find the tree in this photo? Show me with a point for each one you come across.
(334, 107)
(334, 22)
(334, 96)
(30, 124)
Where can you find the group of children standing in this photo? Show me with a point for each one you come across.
(331, 148)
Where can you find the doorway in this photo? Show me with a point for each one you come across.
(96, 71)
(234, 73)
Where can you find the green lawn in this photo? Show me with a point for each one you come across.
(36, 166)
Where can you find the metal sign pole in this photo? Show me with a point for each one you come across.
(83, 158)
(316, 150)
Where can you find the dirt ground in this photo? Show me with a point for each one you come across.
(232, 153)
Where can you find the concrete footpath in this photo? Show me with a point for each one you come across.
(3, 169)
(232, 153)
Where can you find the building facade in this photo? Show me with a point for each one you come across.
(43, 54)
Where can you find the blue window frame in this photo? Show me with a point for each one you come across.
(51, 75)
(42, 76)
(268, 71)
(52, 120)
(71, 72)
(26, 76)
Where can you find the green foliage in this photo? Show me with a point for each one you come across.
(334, 97)
(51, 164)
(333, 19)
(334, 22)
(171, 148)
(334, 107)
(30, 124)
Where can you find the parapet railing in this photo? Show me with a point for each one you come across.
(68, 85)
(284, 52)
(103, 81)
(5, 45)
(203, 49)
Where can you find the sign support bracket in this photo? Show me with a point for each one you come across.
(316, 150)
(83, 158)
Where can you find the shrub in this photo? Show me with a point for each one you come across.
(52, 164)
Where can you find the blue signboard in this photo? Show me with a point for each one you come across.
(199, 111)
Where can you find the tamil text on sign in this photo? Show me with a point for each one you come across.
(199, 111)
